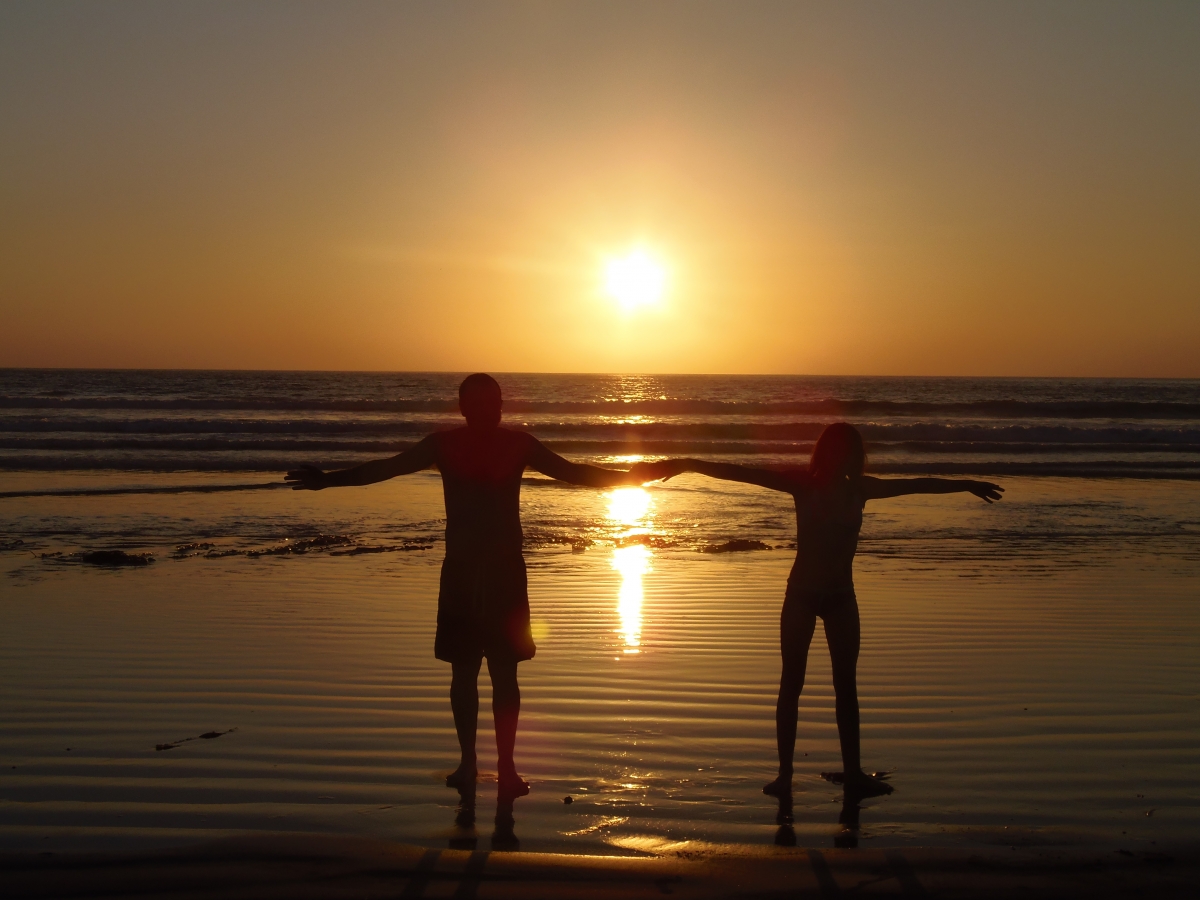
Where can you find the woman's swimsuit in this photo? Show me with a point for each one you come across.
(822, 577)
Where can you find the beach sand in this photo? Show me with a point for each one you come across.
(1043, 704)
(334, 866)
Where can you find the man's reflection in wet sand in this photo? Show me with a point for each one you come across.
(464, 819)
(848, 819)
(504, 837)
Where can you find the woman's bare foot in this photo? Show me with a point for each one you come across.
(463, 776)
(860, 784)
(510, 785)
(780, 787)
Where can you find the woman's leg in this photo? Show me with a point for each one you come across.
(843, 636)
(796, 626)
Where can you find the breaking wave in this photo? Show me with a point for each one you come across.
(1060, 409)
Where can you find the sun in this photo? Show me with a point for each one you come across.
(634, 280)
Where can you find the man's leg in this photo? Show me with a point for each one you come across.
(464, 702)
(506, 710)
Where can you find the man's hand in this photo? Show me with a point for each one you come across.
(985, 490)
(655, 471)
(306, 478)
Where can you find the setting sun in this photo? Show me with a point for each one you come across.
(636, 279)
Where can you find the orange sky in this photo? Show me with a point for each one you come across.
(1000, 189)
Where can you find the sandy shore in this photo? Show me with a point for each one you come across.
(1019, 695)
(336, 866)
(1062, 706)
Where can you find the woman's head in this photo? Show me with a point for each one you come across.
(839, 454)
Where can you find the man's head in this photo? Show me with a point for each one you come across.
(479, 400)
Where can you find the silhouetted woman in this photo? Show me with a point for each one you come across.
(830, 495)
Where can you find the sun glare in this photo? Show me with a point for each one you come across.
(636, 279)
(629, 506)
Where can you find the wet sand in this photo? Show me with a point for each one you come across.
(1061, 708)
(334, 866)
(1035, 701)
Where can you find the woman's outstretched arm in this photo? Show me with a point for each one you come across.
(414, 459)
(881, 488)
(786, 481)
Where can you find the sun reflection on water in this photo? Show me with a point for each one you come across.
(632, 508)
(632, 562)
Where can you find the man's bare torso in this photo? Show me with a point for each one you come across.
(481, 480)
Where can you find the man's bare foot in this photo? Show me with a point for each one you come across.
(463, 776)
(510, 785)
(780, 787)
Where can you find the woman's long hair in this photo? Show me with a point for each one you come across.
(839, 453)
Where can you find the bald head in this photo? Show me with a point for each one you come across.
(479, 400)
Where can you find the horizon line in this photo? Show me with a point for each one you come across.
(188, 369)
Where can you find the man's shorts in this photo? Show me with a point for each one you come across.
(483, 610)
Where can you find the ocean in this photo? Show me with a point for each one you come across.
(1028, 672)
(141, 431)
(264, 421)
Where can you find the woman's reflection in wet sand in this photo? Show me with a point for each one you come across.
(786, 835)
(848, 819)
(504, 837)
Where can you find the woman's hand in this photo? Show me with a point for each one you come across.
(985, 490)
(306, 478)
(661, 470)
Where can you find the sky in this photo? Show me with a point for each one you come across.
(830, 188)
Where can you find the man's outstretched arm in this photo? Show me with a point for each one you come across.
(546, 461)
(786, 480)
(414, 459)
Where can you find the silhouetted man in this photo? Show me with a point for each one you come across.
(483, 605)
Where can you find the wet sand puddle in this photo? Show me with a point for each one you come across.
(1011, 708)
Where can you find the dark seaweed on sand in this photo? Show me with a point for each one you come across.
(115, 558)
(207, 736)
(105, 558)
(12, 545)
(739, 545)
(185, 550)
(335, 544)
(653, 541)
(418, 544)
(304, 545)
